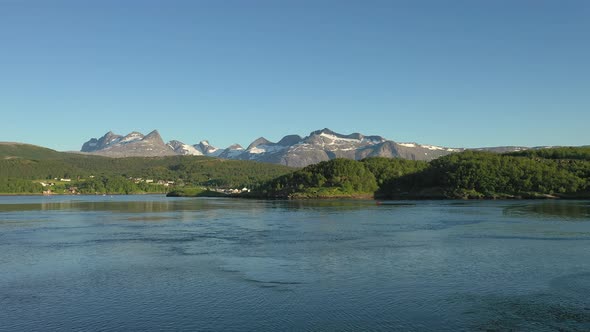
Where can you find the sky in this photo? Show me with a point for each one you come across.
(450, 73)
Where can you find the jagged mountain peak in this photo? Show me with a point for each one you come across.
(110, 136)
(375, 138)
(232, 152)
(207, 149)
(355, 136)
(235, 147)
(184, 149)
(330, 134)
(153, 135)
(326, 131)
(259, 141)
(133, 144)
(131, 137)
(290, 140)
(103, 142)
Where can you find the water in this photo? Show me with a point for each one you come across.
(167, 264)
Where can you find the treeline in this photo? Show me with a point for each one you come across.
(562, 172)
(97, 185)
(113, 185)
(19, 186)
(577, 153)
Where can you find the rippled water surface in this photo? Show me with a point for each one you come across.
(154, 263)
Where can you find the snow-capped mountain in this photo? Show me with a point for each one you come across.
(133, 145)
(232, 152)
(325, 144)
(102, 143)
(291, 150)
(208, 149)
(184, 149)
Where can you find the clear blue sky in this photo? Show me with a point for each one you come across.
(453, 73)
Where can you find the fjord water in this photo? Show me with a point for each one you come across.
(154, 263)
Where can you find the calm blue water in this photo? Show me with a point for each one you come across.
(166, 264)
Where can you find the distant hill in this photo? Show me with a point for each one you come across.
(10, 150)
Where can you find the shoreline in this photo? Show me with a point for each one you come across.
(335, 197)
(58, 194)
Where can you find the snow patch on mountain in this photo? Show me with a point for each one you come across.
(434, 147)
(266, 149)
(232, 152)
(134, 136)
(336, 139)
(184, 149)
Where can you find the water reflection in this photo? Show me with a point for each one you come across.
(130, 204)
(578, 211)
(323, 204)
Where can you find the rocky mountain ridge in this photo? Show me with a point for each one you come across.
(291, 150)
(134, 144)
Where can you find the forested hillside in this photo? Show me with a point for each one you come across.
(339, 178)
(10, 150)
(24, 167)
(488, 175)
(561, 172)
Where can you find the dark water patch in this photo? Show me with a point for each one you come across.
(370, 246)
(448, 223)
(163, 239)
(149, 218)
(394, 204)
(264, 271)
(462, 222)
(272, 282)
(577, 284)
(20, 296)
(460, 203)
(524, 237)
(179, 251)
(537, 312)
(429, 225)
(563, 306)
(324, 205)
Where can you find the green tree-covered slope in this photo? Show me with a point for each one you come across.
(23, 167)
(561, 172)
(488, 175)
(339, 178)
(10, 150)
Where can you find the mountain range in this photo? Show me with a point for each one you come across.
(291, 150)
